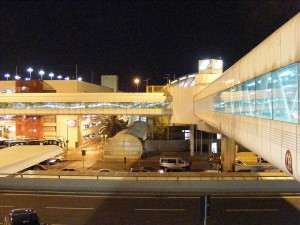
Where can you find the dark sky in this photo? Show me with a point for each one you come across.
(133, 38)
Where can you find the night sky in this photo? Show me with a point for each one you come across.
(148, 39)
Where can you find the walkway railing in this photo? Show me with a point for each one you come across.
(173, 176)
(149, 183)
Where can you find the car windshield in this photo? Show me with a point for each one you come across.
(25, 220)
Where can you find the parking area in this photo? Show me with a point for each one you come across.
(94, 161)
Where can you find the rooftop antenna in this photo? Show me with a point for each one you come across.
(168, 77)
(147, 81)
(76, 72)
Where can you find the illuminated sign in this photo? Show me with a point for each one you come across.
(72, 123)
(214, 148)
(204, 64)
(218, 65)
(289, 161)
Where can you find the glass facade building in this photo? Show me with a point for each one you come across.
(274, 95)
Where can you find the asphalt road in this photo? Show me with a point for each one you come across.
(82, 209)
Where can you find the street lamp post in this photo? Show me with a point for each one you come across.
(29, 70)
(137, 81)
(41, 72)
(7, 76)
(51, 75)
(67, 141)
(2, 129)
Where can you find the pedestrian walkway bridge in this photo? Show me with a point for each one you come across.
(144, 104)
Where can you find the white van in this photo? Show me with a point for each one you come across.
(173, 163)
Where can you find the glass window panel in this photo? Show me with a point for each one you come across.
(238, 99)
(285, 94)
(249, 98)
(263, 96)
(231, 100)
(218, 102)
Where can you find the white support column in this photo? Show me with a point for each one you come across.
(228, 149)
(192, 140)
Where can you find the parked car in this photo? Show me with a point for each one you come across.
(36, 167)
(50, 161)
(138, 170)
(149, 168)
(261, 160)
(104, 170)
(69, 169)
(23, 217)
(59, 158)
(174, 163)
(240, 163)
(212, 171)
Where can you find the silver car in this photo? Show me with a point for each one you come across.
(173, 163)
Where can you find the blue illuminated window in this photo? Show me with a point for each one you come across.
(285, 94)
(249, 98)
(263, 86)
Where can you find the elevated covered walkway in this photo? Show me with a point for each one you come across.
(143, 104)
(17, 158)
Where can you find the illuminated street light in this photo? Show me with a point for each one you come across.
(30, 70)
(17, 77)
(59, 77)
(41, 72)
(137, 81)
(79, 79)
(51, 75)
(67, 78)
(7, 76)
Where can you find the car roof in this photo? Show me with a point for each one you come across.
(170, 157)
(22, 211)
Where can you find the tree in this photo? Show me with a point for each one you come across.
(159, 126)
(111, 125)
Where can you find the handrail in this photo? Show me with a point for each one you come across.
(179, 176)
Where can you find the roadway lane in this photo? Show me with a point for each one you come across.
(73, 209)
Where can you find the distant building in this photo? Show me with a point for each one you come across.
(50, 126)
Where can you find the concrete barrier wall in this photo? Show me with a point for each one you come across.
(150, 187)
(167, 145)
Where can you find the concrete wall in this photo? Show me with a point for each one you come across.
(182, 107)
(74, 86)
(167, 145)
(151, 187)
(63, 130)
(8, 85)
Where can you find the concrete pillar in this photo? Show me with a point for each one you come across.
(192, 140)
(227, 154)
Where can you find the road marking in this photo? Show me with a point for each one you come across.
(252, 210)
(258, 197)
(171, 210)
(69, 208)
(7, 206)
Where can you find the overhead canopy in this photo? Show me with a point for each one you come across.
(16, 158)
